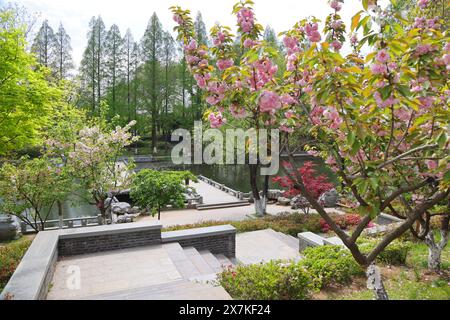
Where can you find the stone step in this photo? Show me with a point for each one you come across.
(211, 260)
(289, 240)
(196, 258)
(222, 205)
(309, 239)
(177, 290)
(334, 241)
(181, 261)
(224, 261)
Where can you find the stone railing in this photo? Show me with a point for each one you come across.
(234, 193)
(72, 223)
(33, 276)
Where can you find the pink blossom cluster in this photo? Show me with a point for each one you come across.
(312, 32)
(249, 43)
(237, 111)
(269, 102)
(246, 20)
(426, 102)
(263, 72)
(224, 64)
(423, 3)
(219, 39)
(216, 120)
(423, 49)
(216, 91)
(291, 44)
(202, 79)
(326, 116)
(446, 57)
(336, 5)
(390, 101)
(178, 19)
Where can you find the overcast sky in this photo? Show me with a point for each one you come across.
(134, 14)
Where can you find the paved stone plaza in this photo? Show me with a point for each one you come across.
(165, 271)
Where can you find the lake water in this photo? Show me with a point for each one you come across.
(236, 177)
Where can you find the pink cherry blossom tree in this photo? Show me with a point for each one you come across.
(379, 114)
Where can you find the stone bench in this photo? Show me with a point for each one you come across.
(310, 239)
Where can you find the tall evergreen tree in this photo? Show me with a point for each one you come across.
(114, 60)
(64, 53)
(130, 56)
(44, 46)
(152, 44)
(92, 65)
(168, 57)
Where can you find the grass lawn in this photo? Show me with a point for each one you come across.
(409, 282)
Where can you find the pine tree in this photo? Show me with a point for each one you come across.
(64, 53)
(92, 65)
(44, 46)
(152, 44)
(114, 60)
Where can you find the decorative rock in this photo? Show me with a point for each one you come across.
(284, 201)
(299, 202)
(329, 199)
(108, 201)
(135, 210)
(8, 229)
(274, 194)
(127, 218)
(120, 208)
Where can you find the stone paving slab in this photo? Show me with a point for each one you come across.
(212, 195)
(109, 272)
(262, 246)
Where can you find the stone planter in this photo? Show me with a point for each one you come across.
(8, 229)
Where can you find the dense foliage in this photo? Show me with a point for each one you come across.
(10, 256)
(154, 190)
(26, 98)
(271, 281)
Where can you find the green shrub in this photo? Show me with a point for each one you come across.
(288, 223)
(10, 256)
(395, 253)
(275, 280)
(331, 264)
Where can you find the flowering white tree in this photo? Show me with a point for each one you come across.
(92, 159)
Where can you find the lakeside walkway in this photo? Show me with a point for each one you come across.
(212, 195)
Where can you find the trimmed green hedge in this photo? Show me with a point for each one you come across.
(288, 223)
(274, 280)
(331, 264)
(10, 256)
(394, 254)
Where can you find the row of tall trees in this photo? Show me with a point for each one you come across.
(127, 79)
(53, 50)
(144, 80)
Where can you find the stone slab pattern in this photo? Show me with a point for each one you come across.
(263, 246)
(166, 272)
(212, 195)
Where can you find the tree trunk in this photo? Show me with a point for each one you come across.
(375, 283)
(435, 250)
(60, 214)
(260, 202)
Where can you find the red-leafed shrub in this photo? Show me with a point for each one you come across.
(314, 183)
(343, 221)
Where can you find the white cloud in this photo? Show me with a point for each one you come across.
(134, 14)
